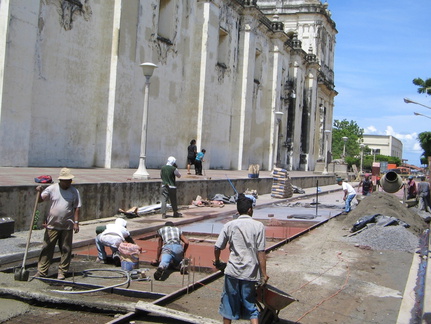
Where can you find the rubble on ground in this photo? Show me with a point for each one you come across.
(386, 235)
(389, 205)
(395, 238)
(200, 202)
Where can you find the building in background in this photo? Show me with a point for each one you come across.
(385, 144)
(71, 88)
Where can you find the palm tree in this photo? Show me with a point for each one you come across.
(424, 86)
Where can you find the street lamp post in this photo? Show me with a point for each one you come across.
(374, 154)
(344, 146)
(407, 100)
(362, 157)
(278, 115)
(418, 114)
(325, 170)
(142, 172)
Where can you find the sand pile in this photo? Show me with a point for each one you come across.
(388, 205)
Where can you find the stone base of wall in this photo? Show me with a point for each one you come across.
(101, 200)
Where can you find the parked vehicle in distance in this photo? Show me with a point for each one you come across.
(400, 171)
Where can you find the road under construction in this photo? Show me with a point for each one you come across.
(103, 293)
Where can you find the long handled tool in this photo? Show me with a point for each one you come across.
(233, 187)
(21, 274)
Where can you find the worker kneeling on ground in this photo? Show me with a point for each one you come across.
(170, 251)
(112, 236)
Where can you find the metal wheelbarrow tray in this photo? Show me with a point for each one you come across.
(273, 300)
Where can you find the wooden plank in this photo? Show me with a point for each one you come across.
(167, 312)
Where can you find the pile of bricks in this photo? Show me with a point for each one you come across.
(281, 185)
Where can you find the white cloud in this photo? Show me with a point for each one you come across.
(370, 130)
(411, 147)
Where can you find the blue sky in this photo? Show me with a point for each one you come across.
(381, 46)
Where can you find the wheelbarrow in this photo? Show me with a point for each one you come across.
(270, 301)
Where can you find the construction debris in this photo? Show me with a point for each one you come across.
(139, 211)
(377, 219)
(281, 186)
(387, 225)
(387, 204)
(200, 202)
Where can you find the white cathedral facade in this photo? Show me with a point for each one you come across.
(251, 80)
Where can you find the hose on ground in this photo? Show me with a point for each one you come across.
(88, 273)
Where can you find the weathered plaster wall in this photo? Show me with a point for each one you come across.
(72, 88)
(18, 30)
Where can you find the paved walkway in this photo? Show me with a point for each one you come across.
(14, 176)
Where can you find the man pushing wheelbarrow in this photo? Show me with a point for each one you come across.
(246, 266)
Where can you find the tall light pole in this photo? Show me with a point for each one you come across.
(278, 115)
(325, 170)
(418, 114)
(142, 172)
(362, 157)
(344, 146)
(374, 154)
(407, 100)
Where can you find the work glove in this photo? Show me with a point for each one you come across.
(220, 265)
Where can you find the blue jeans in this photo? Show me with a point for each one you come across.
(238, 300)
(101, 253)
(349, 199)
(171, 254)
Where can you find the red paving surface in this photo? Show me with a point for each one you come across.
(201, 248)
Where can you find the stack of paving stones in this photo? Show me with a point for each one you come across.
(281, 185)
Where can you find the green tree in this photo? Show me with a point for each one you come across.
(424, 139)
(424, 86)
(368, 159)
(354, 134)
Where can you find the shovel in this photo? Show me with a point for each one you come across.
(21, 274)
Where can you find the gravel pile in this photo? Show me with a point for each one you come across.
(395, 238)
(388, 205)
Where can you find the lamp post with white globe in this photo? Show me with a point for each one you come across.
(344, 146)
(142, 172)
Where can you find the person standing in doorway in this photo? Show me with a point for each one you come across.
(169, 173)
(349, 194)
(60, 223)
(192, 151)
(198, 162)
(246, 266)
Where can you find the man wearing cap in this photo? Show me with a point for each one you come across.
(349, 194)
(170, 251)
(112, 236)
(169, 173)
(60, 223)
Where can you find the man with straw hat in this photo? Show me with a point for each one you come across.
(60, 223)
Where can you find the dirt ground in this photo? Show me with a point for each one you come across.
(333, 280)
